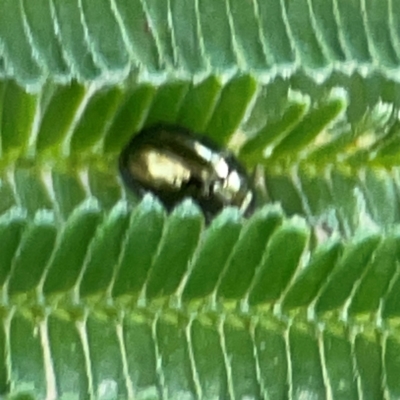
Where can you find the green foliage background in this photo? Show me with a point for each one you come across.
(107, 297)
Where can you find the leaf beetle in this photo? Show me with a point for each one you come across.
(174, 163)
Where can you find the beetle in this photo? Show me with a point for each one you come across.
(174, 163)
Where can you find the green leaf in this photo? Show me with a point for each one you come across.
(72, 247)
(36, 244)
(108, 296)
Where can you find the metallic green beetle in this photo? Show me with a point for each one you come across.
(173, 163)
